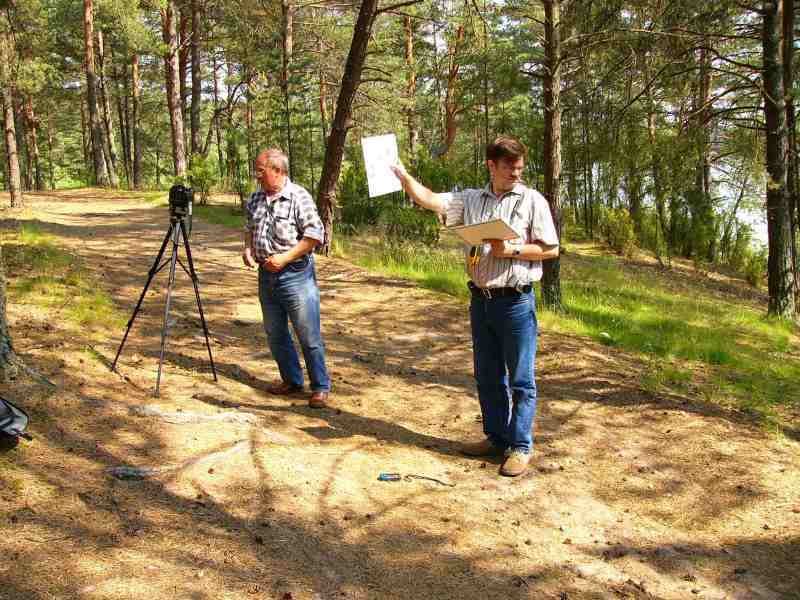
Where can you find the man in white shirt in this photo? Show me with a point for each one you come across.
(503, 307)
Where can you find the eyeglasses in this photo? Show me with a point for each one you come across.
(260, 172)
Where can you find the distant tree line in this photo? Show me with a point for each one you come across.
(655, 123)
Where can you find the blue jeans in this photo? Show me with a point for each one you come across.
(294, 295)
(504, 351)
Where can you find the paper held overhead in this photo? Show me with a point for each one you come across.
(473, 235)
(380, 152)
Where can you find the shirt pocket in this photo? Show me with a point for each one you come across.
(282, 211)
(521, 221)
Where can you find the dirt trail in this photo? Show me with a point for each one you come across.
(631, 496)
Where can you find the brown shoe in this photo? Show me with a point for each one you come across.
(483, 448)
(318, 400)
(516, 464)
(281, 388)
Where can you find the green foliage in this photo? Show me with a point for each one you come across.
(357, 209)
(446, 175)
(755, 265)
(408, 224)
(399, 223)
(202, 175)
(616, 227)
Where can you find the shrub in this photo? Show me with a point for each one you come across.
(616, 227)
(202, 175)
(406, 224)
(755, 266)
(357, 208)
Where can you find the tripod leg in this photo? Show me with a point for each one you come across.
(193, 275)
(165, 326)
(150, 276)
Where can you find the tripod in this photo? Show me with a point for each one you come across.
(176, 232)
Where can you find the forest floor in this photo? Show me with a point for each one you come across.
(631, 494)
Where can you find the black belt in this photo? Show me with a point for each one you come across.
(498, 292)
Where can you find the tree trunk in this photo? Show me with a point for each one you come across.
(123, 114)
(134, 127)
(108, 125)
(196, 77)
(451, 107)
(33, 144)
(702, 213)
(20, 127)
(6, 90)
(168, 15)
(183, 54)
(8, 370)
(341, 121)
(98, 158)
(551, 280)
(779, 265)
(85, 139)
(220, 157)
(485, 76)
(411, 89)
(791, 158)
(323, 98)
(12, 157)
(287, 10)
(50, 166)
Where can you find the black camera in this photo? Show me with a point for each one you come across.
(180, 201)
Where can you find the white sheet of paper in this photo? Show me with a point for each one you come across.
(380, 152)
(473, 235)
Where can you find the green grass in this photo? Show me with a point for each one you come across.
(675, 329)
(44, 275)
(230, 216)
(642, 311)
(160, 197)
(439, 270)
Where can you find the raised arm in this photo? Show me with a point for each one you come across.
(418, 192)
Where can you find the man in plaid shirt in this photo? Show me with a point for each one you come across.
(281, 232)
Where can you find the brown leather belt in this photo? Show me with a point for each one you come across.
(498, 292)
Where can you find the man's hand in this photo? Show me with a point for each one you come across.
(400, 171)
(500, 248)
(275, 263)
(247, 258)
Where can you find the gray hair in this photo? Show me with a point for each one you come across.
(276, 158)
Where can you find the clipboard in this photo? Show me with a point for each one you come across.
(473, 235)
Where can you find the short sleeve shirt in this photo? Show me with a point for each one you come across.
(528, 213)
(278, 222)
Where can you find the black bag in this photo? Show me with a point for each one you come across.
(13, 421)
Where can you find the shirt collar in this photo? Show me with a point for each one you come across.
(285, 193)
(518, 190)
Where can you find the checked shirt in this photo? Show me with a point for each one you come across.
(278, 222)
(528, 213)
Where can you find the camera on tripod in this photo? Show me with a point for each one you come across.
(180, 202)
(180, 227)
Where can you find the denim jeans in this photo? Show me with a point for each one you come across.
(504, 352)
(293, 295)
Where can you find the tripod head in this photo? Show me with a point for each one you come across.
(180, 205)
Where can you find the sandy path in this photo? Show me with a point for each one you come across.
(631, 496)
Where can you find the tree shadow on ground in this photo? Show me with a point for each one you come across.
(85, 533)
